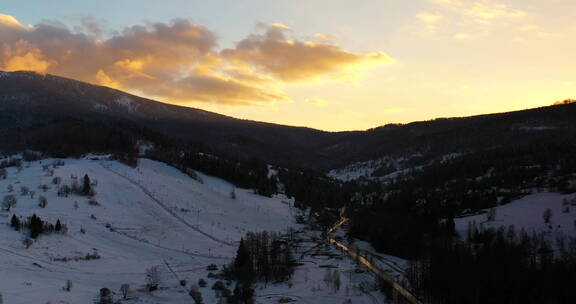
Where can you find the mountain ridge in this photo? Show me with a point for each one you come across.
(29, 99)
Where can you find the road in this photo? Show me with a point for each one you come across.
(405, 293)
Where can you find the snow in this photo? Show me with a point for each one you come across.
(537, 128)
(143, 233)
(366, 169)
(149, 215)
(362, 169)
(526, 213)
(309, 286)
(127, 103)
(100, 107)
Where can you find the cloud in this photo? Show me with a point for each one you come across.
(22, 55)
(298, 61)
(9, 21)
(463, 36)
(482, 11)
(431, 21)
(178, 61)
(316, 101)
(429, 17)
(463, 20)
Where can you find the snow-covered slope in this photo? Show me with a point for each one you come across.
(147, 216)
(152, 215)
(527, 213)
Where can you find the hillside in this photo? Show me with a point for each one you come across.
(34, 107)
(152, 215)
(30, 103)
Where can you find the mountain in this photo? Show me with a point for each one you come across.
(28, 99)
(30, 103)
(420, 143)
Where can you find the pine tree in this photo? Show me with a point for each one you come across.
(58, 226)
(243, 267)
(15, 222)
(36, 226)
(86, 188)
(104, 297)
(242, 255)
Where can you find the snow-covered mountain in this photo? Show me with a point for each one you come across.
(151, 215)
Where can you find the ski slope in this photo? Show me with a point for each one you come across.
(147, 215)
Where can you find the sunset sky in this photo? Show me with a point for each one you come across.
(327, 64)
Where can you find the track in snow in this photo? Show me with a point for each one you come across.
(199, 255)
(168, 210)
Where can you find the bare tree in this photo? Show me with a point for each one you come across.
(547, 215)
(336, 280)
(27, 242)
(42, 201)
(68, 286)
(125, 290)
(196, 295)
(153, 278)
(8, 202)
(24, 190)
(327, 277)
(491, 214)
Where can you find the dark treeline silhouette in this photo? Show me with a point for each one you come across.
(315, 191)
(262, 257)
(37, 226)
(251, 174)
(496, 266)
(401, 213)
(74, 138)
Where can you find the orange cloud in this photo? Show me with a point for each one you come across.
(7, 20)
(178, 61)
(298, 61)
(23, 56)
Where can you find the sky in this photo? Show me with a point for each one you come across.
(327, 64)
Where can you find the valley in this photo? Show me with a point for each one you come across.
(151, 215)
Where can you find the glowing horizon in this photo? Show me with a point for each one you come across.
(354, 66)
